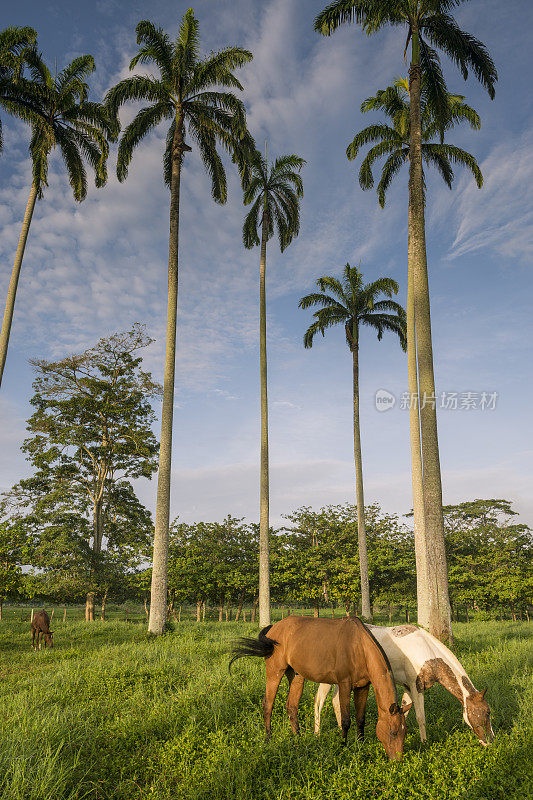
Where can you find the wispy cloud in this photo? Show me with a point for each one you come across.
(499, 218)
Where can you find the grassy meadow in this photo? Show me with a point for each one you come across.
(110, 715)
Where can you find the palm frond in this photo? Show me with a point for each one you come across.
(459, 156)
(250, 235)
(390, 168)
(463, 49)
(157, 48)
(145, 121)
(373, 133)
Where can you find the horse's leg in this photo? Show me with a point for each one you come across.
(344, 702)
(33, 639)
(273, 680)
(39, 638)
(293, 700)
(321, 695)
(360, 697)
(406, 699)
(418, 702)
(337, 705)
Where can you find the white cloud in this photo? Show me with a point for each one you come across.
(498, 218)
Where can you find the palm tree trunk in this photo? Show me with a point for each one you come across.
(13, 283)
(264, 566)
(158, 595)
(361, 531)
(416, 453)
(439, 604)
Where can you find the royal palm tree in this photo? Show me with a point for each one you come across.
(14, 44)
(394, 141)
(429, 27)
(354, 304)
(60, 115)
(274, 191)
(184, 95)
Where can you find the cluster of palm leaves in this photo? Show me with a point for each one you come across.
(195, 97)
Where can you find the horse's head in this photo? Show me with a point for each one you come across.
(49, 639)
(477, 714)
(391, 729)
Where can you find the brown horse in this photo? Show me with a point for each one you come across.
(41, 626)
(341, 651)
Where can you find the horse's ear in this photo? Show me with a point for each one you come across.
(405, 708)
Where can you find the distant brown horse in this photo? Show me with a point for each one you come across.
(341, 651)
(41, 626)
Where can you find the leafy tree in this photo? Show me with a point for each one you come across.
(185, 96)
(354, 305)
(13, 556)
(14, 44)
(90, 434)
(60, 116)
(274, 193)
(395, 141)
(491, 560)
(430, 27)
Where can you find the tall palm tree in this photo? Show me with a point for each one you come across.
(274, 191)
(60, 115)
(395, 142)
(354, 305)
(429, 27)
(184, 95)
(14, 43)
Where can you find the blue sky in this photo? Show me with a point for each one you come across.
(94, 268)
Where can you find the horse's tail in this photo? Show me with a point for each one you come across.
(262, 647)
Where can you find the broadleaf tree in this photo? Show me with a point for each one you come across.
(90, 435)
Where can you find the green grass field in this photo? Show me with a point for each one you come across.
(108, 714)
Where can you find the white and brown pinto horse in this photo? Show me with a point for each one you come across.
(418, 661)
(327, 651)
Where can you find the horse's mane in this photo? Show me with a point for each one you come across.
(380, 648)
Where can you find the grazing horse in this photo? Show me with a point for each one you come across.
(418, 661)
(340, 651)
(41, 626)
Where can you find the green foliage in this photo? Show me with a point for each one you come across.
(315, 559)
(490, 560)
(108, 714)
(394, 141)
(14, 44)
(429, 27)
(60, 115)
(353, 304)
(184, 96)
(274, 195)
(90, 434)
(213, 561)
(13, 556)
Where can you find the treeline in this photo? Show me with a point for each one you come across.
(315, 563)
